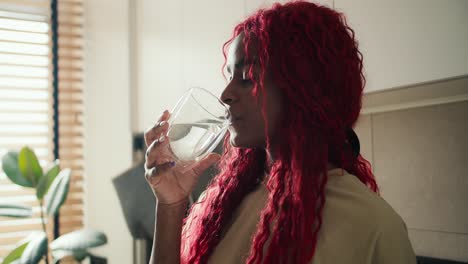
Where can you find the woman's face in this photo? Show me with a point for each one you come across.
(248, 126)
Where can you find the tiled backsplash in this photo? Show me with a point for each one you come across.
(417, 140)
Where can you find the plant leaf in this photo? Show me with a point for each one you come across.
(15, 254)
(79, 240)
(35, 249)
(13, 210)
(78, 255)
(45, 182)
(11, 169)
(29, 165)
(58, 192)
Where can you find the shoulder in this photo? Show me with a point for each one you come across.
(356, 201)
(364, 216)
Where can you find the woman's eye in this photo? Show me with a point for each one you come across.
(246, 81)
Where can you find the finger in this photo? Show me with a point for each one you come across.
(153, 132)
(205, 163)
(152, 174)
(156, 132)
(158, 152)
(149, 171)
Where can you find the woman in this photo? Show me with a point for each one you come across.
(292, 187)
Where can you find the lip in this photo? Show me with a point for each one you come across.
(233, 116)
(235, 120)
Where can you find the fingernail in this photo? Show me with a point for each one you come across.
(161, 139)
(162, 123)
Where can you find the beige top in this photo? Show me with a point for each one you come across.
(358, 227)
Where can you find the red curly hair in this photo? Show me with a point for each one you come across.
(314, 60)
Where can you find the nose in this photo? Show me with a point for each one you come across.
(229, 96)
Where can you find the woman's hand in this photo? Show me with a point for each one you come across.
(171, 182)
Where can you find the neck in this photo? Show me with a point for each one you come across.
(330, 166)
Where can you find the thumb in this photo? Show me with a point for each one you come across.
(205, 163)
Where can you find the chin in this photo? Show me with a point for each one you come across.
(235, 141)
(239, 141)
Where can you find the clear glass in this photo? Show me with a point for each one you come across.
(198, 123)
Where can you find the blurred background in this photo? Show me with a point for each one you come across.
(81, 82)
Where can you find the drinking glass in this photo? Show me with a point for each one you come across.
(197, 124)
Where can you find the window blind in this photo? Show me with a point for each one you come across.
(70, 91)
(26, 105)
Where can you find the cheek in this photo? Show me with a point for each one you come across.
(275, 117)
(250, 133)
(256, 130)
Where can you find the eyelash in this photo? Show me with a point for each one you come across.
(246, 81)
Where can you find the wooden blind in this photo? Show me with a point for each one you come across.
(70, 80)
(26, 105)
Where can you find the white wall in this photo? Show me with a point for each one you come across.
(178, 45)
(408, 42)
(107, 122)
(403, 42)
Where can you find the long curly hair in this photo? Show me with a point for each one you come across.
(313, 56)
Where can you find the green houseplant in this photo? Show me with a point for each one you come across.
(51, 187)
